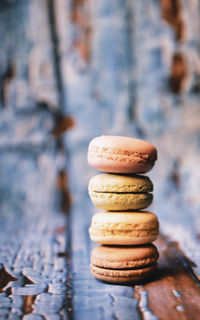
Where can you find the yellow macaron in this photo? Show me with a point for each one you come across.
(124, 228)
(117, 192)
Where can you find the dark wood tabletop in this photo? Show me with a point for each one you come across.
(70, 71)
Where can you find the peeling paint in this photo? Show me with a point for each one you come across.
(80, 16)
(5, 277)
(176, 293)
(178, 73)
(63, 190)
(62, 124)
(143, 306)
(27, 307)
(6, 81)
(180, 308)
(172, 13)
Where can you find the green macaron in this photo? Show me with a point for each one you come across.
(118, 192)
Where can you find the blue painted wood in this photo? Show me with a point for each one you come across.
(108, 65)
(33, 232)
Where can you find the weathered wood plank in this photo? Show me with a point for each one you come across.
(36, 269)
(33, 233)
(26, 116)
(170, 121)
(174, 292)
(27, 73)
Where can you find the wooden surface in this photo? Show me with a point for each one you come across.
(69, 71)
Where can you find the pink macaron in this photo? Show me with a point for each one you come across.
(119, 154)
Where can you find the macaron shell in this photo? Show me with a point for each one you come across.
(119, 257)
(122, 143)
(138, 219)
(109, 182)
(121, 201)
(121, 154)
(123, 276)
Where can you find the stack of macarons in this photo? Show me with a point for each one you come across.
(125, 233)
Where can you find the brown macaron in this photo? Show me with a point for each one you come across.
(131, 264)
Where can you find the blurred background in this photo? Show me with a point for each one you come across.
(71, 70)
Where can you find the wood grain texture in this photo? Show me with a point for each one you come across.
(170, 121)
(174, 291)
(34, 236)
(36, 270)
